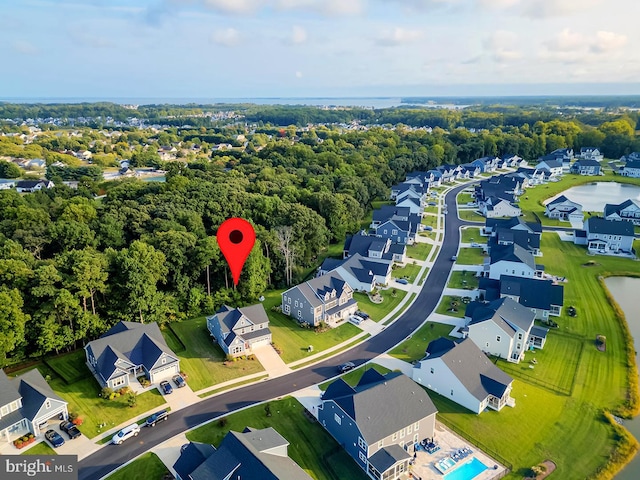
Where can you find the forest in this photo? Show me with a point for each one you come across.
(74, 262)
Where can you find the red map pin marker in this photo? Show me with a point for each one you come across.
(236, 238)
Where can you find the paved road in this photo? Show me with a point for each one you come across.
(110, 457)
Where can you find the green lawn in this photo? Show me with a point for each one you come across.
(377, 311)
(471, 216)
(414, 347)
(472, 234)
(431, 220)
(147, 467)
(41, 448)
(83, 399)
(556, 364)
(410, 272)
(470, 256)
(70, 367)
(294, 340)
(464, 198)
(334, 250)
(444, 307)
(463, 279)
(310, 446)
(353, 377)
(419, 251)
(431, 209)
(203, 360)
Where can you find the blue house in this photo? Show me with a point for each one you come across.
(238, 330)
(374, 420)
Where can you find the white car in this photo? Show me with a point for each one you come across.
(127, 432)
(356, 320)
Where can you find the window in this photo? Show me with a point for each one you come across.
(487, 344)
(164, 360)
(498, 338)
(380, 443)
(394, 437)
(47, 404)
(416, 426)
(409, 429)
(361, 443)
(299, 313)
(13, 406)
(384, 231)
(519, 336)
(363, 457)
(289, 300)
(4, 411)
(432, 370)
(394, 232)
(402, 433)
(452, 391)
(415, 438)
(287, 309)
(337, 418)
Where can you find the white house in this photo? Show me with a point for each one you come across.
(463, 374)
(608, 236)
(590, 153)
(239, 330)
(494, 207)
(627, 210)
(511, 260)
(631, 169)
(564, 209)
(554, 167)
(359, 272)
(27, 186)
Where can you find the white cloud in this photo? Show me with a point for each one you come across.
(607, 42)
(298, 74)
(24, 47)
(556, 8)
(298, 35)
(498, 3)
(501, 44)
(237, 7)
(566, 41)
(398, 36)
(323, 7)
(229, 37)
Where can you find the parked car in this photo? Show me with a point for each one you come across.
(475, 244)
(70, 429)
(454, 258)
(160, 416)
(354, 319)
(179, 381)
(428, 228)
(54, 438)
(403, 281)
(166, 387)
(362, 314)
(432, 204)
(127, 432)
(345, 367)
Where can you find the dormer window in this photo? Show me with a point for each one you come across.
(47, 404)
(163, 361)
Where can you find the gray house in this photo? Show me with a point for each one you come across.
(28, 404)
(608, 236)
(327, 298)
(376, 419)
(128, 350)
(251, 455)
(627, 210)
(238, 330)
(585, 167)
(542, 297)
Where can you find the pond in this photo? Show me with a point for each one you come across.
(593, 196)
(625, 291)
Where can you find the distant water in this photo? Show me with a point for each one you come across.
(368, 102)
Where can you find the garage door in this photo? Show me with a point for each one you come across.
(164, 373)
(259, 343)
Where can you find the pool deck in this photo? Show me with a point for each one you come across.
(449, 443)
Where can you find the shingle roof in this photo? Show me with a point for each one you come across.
(474, 369)
(513, 222)
(381, 404)
(632, 164)
(191, 457)
(533, 293)
(314, 289)
(512, 253)
(609, 227)
(34, 391)
(387, 457)
(8, 392)
(586, 163)
(611, 208)
(504, 312)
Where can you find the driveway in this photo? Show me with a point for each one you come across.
(180, 397)
(271, 361)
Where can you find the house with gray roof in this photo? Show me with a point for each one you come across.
(28, 404)
(552, 165)
(239, 330)
(28, 186)
(359, 272)
(501, 327)
(608, 236)
(495, 207)
(129, 350)
(585, 167)
(631, 169)
(516, 223)
(562, 208)
(511, 259)
(374, 420)
(543, 297)
(254, 454)
(627, 210)
(327, 298)
(590, 153)
(506, 236)
(374, 248)
(465, 375)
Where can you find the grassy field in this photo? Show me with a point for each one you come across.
(464, 198)
(414, 347)
(547, 425)
(334, 250)
(444, 307)
(470, 256)
(463, 279)
(471, 216)
(419, 251)
(295, 340)
(353, 377)
(311, 446)
(472, 234)
(203, 360)
(70, 367)
(147, 467)
(41, 448)
(431, 220)
(377, 311)
(431, 209)
(410, 272)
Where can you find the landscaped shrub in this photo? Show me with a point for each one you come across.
(124, 390)
(73, 416)
(77, 421)
(222, 422)
(106, 392)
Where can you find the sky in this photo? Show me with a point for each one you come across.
(317, 48)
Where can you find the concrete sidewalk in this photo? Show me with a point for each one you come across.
(271, 361)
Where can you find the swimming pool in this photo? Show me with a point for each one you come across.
(467, 471)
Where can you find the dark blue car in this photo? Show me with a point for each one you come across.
(166, 387)
(54, 438)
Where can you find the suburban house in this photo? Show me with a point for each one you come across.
(386, 212)
(470, 171)
(542, 297)
(465, 375)
(374, 420)
(503, 328)
(374, 248)
(129, 350)
(7, 184)
(415, 205)
(28, 404)
(565, 155)
(511, 160)
(506, 236)
(631, 169)
(492, 225)
(606, 236)
(486, 164)
(359, 272)
(590, 153)
(327, 298)
(627, 210)
(238, 330)
(28, 186)
(564, 209)
(399, 228)
(552, 165)
(412, 187)
(585, 167)
(513, 260)
(252, 454)
(494, 207)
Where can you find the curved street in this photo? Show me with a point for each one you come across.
(110, 457)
